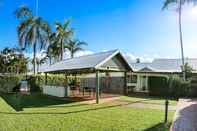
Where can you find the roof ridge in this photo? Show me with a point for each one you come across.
(92, 54)
(174, 59)
(85, 56)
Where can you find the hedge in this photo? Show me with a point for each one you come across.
(158, 86)
(173, 87)
(9, 82)
(36, 82)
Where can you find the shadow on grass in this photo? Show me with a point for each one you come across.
(159, 127)
(59, 113)
(19, 101)
(69, 112)
(150, 98)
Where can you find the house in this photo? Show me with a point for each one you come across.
(139, 79)
(114, 74)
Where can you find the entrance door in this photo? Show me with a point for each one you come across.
(143, 83)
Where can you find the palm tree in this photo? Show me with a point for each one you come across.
(32, 31)
(179, 4)
(63, 35)
(40, 61)
(54, 48)
(74, 46)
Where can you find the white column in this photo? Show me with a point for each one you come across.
(138, 83)
(146, 82)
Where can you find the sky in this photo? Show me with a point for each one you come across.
(139, 28)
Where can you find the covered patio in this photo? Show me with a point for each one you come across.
(97, 64)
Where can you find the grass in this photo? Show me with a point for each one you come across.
(44, 113)
(147, 100)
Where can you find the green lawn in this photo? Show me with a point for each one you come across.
(147, 100)
(42, 113)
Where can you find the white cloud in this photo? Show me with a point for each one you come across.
(39, 55)
(190, 13)
(79, 53)
(82, 53)
(143, 58)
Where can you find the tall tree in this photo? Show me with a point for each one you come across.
(11, 58)
(32, 31)
(179, 5)
(63, 35)
(54, 48)
(74, 46)
(40, 61)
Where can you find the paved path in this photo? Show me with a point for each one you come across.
(136, 104)
(151, 106)
(185, 118)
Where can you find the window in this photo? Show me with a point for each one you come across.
(132, 78)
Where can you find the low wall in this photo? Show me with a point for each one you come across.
(55, 91)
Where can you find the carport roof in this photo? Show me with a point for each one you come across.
(88, 63)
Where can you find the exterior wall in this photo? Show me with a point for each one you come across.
(115, 63)
(142, 80)
(55, 91)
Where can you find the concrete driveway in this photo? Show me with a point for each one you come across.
(185, 118)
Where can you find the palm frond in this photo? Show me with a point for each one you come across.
(23, 12)
(167, 3)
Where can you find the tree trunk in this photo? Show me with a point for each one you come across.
(50, 60)
(34, 62)
(72, 54)
(181, 39)
(38, 66)
(62, 50)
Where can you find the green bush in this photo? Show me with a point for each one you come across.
(36, 82)
(178, 87)
(192, 92)
(173, 87)
(158, 86)
(56, 80)
(9, 82)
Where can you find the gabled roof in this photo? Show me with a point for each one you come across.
(93, 62)
(146, 69)
(165, 65)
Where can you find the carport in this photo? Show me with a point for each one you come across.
(111, 61)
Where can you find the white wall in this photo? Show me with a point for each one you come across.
(54, 91)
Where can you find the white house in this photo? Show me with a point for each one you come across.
(158, 67)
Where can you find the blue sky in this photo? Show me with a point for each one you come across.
(137, 27)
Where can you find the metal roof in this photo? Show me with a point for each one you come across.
(93, 61)
(164, 65)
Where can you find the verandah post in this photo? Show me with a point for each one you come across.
(97, 87)
(45, 78)
(67, 88)
(125, 83)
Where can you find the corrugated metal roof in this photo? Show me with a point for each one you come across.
(83, 62)
(165, 65)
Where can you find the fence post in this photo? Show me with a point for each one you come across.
(166, 111)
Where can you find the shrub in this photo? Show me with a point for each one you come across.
(36, 82)
(173, 87)
(192, 92)
(178, 87)
(9, 82)
(56, 80)
(158, 86)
